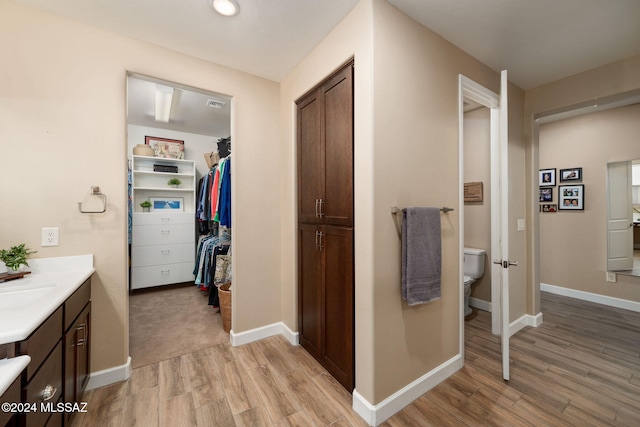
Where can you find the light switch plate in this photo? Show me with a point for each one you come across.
(520, 224)
(50, 236)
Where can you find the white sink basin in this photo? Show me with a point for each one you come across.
(18, 296)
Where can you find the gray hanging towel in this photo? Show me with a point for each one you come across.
(421, 255)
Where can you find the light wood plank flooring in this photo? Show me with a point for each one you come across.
(580, 368)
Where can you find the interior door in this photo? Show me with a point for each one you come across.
(506, 263)
(619, 217)
(499, 207)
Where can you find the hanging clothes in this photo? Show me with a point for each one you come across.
(224, 207)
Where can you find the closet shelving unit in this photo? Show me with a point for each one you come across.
(162, 241)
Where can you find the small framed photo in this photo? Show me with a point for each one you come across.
(546, 194)
(573, 174)
(175, 204)
(548, 207)
(547, 177)
(166, 148)
(571, 197)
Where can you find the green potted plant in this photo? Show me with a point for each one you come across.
(145, 206)
(174, 182)
(15, 258)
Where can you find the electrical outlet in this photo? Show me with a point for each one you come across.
(611, 277)
(50, 236)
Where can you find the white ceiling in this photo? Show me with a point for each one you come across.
(189, 110)
(538, 41)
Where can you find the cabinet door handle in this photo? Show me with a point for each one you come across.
(321, 208)
(48, 392)
(81, 327)
(317, 210)
(165, 220)
(164, 272)
(320, 235)
(165, 231)
(165, 251)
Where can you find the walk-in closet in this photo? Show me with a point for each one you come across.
(179, 229)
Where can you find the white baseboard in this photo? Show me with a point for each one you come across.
(516, 325)
(525, 320)
(375, 415)
(264, 332)
(480, 303)
(588, 296)
(110, 376)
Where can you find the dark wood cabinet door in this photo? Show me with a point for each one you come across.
(310, 158)
(325, 224)
(76, 359)
(337, 203)
(338, 305)
(310, 278)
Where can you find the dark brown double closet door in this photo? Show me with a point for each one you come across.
(325, 224)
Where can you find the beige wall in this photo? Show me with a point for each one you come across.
(63, 129)
(611, 79)
(415, 159)
(477, 215)
(573, 245)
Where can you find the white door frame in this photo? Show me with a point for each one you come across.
(468, 89)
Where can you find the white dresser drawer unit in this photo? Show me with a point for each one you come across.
(163, 241)
(155, 275)
(142, 256)
(163, 218)
(144, 235)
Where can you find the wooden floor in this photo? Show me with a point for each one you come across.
(581, 367)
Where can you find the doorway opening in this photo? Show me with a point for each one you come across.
(175, 135)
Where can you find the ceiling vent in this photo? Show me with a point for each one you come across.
(215, 103)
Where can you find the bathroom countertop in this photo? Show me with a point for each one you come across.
(10, 369)
(51, 282)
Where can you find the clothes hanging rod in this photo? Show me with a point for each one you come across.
(395, 210)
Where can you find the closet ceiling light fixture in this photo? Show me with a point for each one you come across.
(164, 99)
(225, 7)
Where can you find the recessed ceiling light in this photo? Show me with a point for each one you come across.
(225, 7)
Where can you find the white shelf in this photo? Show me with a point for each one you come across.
(148, 183)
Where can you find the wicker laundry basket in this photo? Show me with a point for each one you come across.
(224, 294)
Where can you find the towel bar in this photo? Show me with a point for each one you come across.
(395, 210)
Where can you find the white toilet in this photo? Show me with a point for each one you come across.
(473, 270)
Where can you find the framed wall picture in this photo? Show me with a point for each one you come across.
(571, 197)
(175, 204)
(573, 174)
(547, 177)
(166, 148)
(548, 207)
(546, 194)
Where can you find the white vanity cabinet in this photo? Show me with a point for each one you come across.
(162, 240)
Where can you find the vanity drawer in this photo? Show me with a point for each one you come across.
(76, 302)
(41, 341)
(49, 376)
